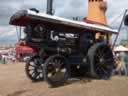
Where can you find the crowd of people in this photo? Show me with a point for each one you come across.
(121, 64)
(6, 58)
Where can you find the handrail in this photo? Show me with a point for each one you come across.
(119, 30)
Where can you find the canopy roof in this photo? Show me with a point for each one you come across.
(25, 17)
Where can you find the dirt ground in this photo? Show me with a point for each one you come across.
(13, 82)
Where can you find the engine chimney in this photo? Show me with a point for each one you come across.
(96, 11)
(50, 7)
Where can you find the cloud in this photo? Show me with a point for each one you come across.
(66, 9)
(8, 34)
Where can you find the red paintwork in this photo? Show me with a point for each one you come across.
(24, 49)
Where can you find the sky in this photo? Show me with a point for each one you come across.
(65, 9)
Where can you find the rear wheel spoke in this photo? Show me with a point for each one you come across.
(103, 61)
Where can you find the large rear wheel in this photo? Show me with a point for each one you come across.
(101, 61)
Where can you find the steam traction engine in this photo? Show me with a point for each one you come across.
(67, 48)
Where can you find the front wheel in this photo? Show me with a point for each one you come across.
(33, 69)
(56, 70)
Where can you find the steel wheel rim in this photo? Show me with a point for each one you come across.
(103, 61)
(56, 69)
(35, 70)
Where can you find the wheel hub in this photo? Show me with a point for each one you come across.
(101, 60)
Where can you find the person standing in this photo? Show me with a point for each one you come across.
(126, 63)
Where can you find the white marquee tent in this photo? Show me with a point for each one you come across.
(120, 48)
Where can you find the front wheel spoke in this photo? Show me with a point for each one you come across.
(37, 77)
(30, 70)
(33, 74)
(55, 61)
(41, 75)
(32, 65)
(40, 71)
(59, 61)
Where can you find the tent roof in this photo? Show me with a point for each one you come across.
(120, 48)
